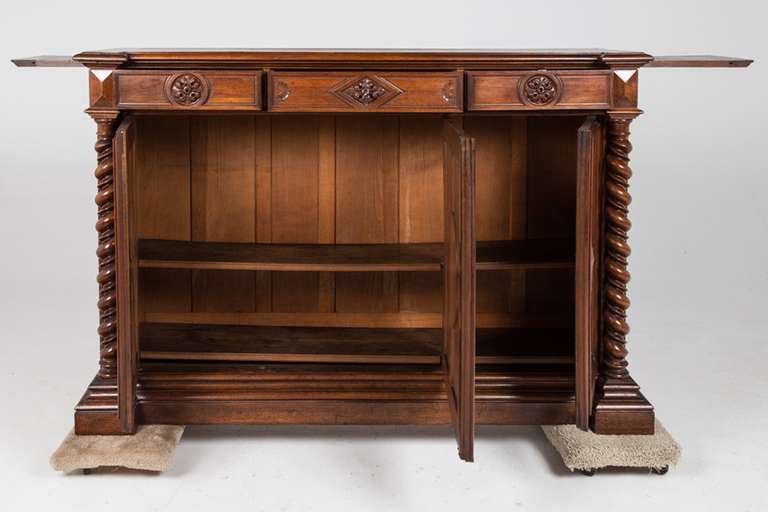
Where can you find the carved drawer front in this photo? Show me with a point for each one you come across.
(531, 90)
(365, 91)
(189, 90)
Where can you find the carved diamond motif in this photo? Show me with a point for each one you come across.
(365, 91)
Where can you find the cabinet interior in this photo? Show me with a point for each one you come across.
(307, 249)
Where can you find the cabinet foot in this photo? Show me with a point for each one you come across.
(97, 412)
(622, 409)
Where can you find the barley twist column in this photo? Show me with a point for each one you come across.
(620, 407)
(617, 225)
(105, 227)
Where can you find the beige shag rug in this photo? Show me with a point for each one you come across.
(586, 451)
(150, 449)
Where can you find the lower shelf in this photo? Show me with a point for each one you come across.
(243, 343)
(289, 344)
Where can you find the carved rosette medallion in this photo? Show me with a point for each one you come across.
(540, 89)
(187, 89)
(366, 91)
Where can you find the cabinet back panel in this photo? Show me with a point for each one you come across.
(223, 206)
(163, 205)
(347, 179)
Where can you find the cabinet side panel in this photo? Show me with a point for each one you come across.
(163, 206)
(421, 206)
(366, 206)
(223, 206)
(500, 204)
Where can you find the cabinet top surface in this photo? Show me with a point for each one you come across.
(403, 58)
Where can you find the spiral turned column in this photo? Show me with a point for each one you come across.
(617, 225)
(620, 407)
(105, 227)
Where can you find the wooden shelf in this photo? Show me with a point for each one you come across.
(289, 257)
(289, 344)
(375, 320)
(239, 343)
(526, 254)
(494, 255)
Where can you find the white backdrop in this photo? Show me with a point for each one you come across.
(699, 312)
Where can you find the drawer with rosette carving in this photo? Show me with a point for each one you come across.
(365, 91)
(531, 90)
(188, 90)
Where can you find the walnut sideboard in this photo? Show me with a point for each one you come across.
(364, 237)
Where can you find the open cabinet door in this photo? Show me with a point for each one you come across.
(588, 204)
(459, 283)
(124, 145)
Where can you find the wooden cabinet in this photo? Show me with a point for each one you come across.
(363, 249)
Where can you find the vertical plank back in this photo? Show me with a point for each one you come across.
(163, 205)
(223, 206)
(366, 206)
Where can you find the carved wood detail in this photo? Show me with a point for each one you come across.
(616, 251)
(366, 91)
(105, 227)
(187, 89)
(540, 89)
(620, 407)
(282, 91)
(448, 92)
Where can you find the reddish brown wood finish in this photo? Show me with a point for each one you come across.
(283, 267)
(127, 275)
(189, 89)
(513, 90)
(299, 91)
(620, 407)
(459, 283)
(419, 257)
(589, 175)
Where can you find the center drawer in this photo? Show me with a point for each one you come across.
(365, 91)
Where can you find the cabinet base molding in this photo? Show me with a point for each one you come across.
(97, 413)
(622, 409)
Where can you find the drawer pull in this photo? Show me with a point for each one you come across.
(448, 92)
(187, 89)
(282, 91)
